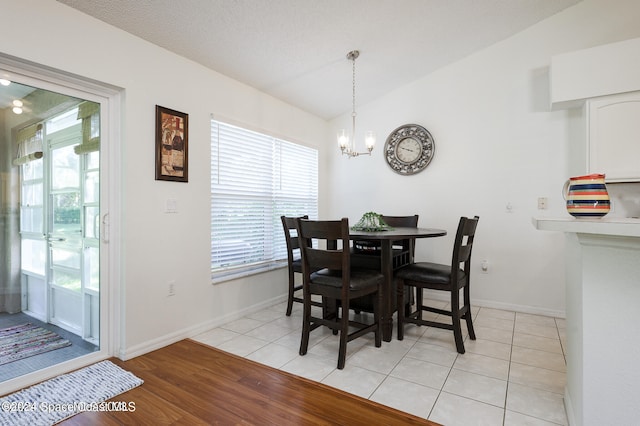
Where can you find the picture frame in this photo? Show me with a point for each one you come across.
(172, 145)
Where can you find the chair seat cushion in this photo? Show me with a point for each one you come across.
(428, 272)
(360, 278)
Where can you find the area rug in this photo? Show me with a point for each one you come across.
(25, 340)
(59, 398)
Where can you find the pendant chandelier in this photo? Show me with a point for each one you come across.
(346, 141)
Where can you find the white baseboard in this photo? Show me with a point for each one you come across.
(525, 309)
(568, 408)
(185, 333)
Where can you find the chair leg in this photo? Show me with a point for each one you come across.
(291, 291)
(467, 317)
(472, 333)
(377, 309)
(306, 324)
(401, 312)
(344, 334)
(419, 302)
(455, 317)
(408, 303)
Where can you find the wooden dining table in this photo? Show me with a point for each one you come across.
(386, 239)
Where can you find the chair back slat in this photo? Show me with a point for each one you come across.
(401, 221)
(463, 244)
(322, 229)
(291, 238)
(327, 233)
(464, 253)
(320, 258)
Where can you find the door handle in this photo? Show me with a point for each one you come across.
(56, 239)
(106, 228)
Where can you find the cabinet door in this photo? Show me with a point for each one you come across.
(614, 137)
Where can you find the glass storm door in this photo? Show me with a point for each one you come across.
(73, 234)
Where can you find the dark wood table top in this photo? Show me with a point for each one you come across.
(397, 233)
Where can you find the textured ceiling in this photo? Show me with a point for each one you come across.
(296, 50)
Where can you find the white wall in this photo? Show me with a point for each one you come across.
(158, 247)
(497, 143)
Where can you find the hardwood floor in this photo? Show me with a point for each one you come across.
(190, 383)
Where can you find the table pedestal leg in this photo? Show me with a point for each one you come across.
(386, 260)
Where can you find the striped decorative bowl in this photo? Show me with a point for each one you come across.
(587, 196)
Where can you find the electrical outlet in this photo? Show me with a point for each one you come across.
(542, 203)
(171, 290)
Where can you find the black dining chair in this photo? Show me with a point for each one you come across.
(335, 280)
(450, 278)
(294, 261)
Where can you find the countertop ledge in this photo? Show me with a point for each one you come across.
(614, 226)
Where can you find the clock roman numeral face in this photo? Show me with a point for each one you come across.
(409, 149)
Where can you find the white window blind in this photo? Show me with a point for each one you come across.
(256, 178)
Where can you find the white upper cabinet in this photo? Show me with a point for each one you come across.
(614, 136)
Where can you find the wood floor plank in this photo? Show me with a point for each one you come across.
(191, 383)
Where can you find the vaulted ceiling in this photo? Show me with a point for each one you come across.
(296, 50)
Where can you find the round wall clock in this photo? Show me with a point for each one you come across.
(409, 149)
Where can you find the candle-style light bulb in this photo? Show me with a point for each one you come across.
(343, 139)
(370, 140)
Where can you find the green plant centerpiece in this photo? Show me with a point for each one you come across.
(371, 222)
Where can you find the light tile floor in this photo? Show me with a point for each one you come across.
(513, 374)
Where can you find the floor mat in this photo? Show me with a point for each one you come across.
(25, 340)
(56, 399)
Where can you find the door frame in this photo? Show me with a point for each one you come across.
(111, 296)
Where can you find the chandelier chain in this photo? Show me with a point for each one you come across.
(353, 111)
(354, 85)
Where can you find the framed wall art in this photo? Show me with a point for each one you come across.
(172, 145)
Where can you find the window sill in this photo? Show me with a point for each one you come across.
(230, 275)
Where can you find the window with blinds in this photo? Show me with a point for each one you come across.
(255, 179)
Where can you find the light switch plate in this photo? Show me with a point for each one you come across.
(171, 205)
